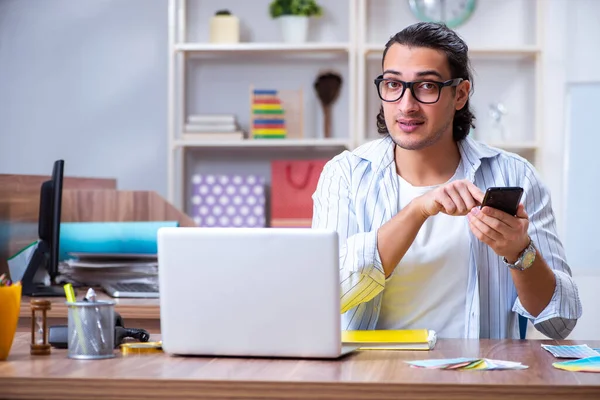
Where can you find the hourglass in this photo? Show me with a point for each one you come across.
(39, 327)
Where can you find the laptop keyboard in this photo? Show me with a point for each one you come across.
(124, 289)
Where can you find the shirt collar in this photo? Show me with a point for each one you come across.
(380, 153)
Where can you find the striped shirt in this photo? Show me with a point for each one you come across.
(358, 192)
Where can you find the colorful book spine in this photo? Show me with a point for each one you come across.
(268, 115)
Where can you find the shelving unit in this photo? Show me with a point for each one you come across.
(350, 38)
(199, 69)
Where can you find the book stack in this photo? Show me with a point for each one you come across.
(268, 115)
(212, 127)
(402, 339)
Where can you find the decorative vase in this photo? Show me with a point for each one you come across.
(10, 306)
(294, 28)
(224, 29)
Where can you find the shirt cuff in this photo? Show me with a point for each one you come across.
(563, 293)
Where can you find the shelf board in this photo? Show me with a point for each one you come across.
(520, 51)
(262, 47)
(263, 143)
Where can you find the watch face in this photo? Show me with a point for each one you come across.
(451, 12)
(528, 258)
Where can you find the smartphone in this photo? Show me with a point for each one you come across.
(505, 199)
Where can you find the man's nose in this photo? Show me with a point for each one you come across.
(407, 103)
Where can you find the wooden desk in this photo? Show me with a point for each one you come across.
(136, 313)
(363, 375)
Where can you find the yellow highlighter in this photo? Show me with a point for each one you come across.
(70, 293)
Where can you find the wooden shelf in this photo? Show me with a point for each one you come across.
(264, 143)
(262, 47)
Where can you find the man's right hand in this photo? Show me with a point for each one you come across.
(454, 198)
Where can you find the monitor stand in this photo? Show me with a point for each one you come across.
(46, 291)
(38, 261)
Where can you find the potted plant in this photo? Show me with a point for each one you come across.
(224, 27)
(293, 16)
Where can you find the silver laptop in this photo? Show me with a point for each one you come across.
(259, 292)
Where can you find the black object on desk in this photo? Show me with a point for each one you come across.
(45, 255)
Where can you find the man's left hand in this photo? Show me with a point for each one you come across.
(505, 234)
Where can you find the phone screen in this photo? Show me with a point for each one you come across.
(505, 199)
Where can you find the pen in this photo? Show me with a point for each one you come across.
(91, 297)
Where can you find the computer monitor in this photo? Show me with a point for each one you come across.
(46, 254)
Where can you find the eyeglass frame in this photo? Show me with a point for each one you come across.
(450, 82)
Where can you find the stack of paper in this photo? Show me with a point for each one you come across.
(587, 359)
(409, 339)
(576, 351)
(212, 127)
(100, 269)
(467, 364)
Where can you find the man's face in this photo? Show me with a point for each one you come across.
(412, 124)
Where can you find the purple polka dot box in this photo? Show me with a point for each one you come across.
(231, 201)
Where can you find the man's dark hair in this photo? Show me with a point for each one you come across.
(438, 37)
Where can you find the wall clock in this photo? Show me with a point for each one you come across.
(451, 12)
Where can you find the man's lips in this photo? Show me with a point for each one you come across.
(409, 125)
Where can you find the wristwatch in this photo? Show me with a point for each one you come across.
(525, 260)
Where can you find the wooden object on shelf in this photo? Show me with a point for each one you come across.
(361, 375)
(328, 85)
(276, 113)
(267, 114)
(39, 327)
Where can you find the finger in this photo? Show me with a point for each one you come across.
(475, 191)
(467, 197)
(447, 204)
(478, 234)
(461, 207)
(521, 213)
(484, 228)
(506, 219)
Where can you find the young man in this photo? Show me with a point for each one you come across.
(416, 251)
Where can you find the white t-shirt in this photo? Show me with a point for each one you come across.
(428, 288)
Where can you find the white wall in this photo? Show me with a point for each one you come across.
(583, 58)
(85, 81)
(572, 34)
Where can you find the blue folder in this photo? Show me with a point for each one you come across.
(110, 237)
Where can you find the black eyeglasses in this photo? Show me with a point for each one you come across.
(426, 92)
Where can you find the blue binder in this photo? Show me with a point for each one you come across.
(110, 237)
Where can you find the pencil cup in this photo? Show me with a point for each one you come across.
(10, 304)
(91, 330)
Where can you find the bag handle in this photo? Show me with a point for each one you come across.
(304, 183)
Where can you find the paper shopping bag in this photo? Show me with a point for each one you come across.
(293, 183)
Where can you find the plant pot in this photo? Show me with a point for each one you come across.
(294, 28)
(224, 29)
(10, 306)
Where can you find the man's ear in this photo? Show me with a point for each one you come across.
(462, 94)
